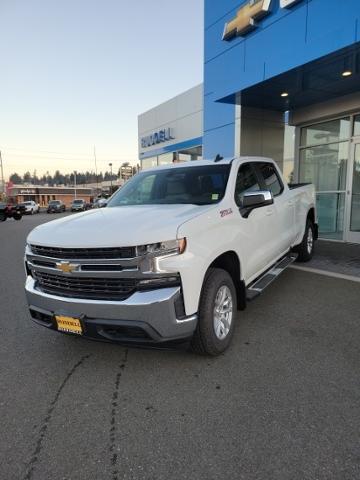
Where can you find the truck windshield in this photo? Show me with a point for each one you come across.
(201, 185)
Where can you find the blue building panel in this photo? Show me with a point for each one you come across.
(283, 40)
(219, 141)
(192, 142)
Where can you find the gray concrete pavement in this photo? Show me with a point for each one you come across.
(342, 258)
(282, 403)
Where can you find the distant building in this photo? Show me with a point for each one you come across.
(43, 195)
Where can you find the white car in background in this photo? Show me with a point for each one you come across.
(31, 207)
(100, 203)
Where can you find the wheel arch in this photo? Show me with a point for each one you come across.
(230, 262)
(311, 216)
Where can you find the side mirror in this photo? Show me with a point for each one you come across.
(252, 200)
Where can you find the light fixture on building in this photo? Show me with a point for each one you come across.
(346, 73)
(285, 94)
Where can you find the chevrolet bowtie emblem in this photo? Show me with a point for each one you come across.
(67, 267)
(246, 17)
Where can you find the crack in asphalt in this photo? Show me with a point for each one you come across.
(42, 433)
(114, 408)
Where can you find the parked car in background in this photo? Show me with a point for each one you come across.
(11, 211)
(31, 207)
(78, 205)
(100, 203)
(56, 206)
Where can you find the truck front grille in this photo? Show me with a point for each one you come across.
(87, 288)
(84, 253)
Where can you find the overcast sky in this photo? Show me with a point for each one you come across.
(75, 73)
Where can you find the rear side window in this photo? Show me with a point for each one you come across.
(271, 178)
(246, 181)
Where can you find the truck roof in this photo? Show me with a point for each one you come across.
(203, 163)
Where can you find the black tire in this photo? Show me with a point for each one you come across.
(305, 249)
(2, 217)
(205, 340)
(17, 216)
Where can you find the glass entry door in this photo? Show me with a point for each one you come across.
(353, 195)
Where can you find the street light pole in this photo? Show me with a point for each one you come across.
(96, 173)
(111, 188)
(75, 182)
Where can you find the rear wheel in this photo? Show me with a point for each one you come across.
(217, 311)
(17, 216)
(2, 217)
(305, 250)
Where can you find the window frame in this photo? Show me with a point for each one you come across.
(262, 179)
(255, 172)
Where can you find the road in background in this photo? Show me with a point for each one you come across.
(282, 403)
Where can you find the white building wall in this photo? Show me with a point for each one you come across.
(183, 114)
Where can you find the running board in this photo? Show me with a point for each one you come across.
(259, 285)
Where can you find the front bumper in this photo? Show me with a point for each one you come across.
(151, 317)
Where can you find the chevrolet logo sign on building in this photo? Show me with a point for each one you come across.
(247, 16)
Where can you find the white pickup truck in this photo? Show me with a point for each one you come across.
(176, 252)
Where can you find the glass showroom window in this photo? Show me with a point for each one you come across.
(357, 126)
(166, 158)
(149, 163)
(323, 161)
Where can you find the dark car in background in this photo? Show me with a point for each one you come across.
(78, 205)
(56, 206)
(11, 211)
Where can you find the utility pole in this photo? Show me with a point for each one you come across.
(75, 182)
(96, 173)
(2, 174)
(111, 191)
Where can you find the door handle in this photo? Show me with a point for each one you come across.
(269, 211)
(290, 203)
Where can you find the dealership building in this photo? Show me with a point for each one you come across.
(281, 79)
(172, 132)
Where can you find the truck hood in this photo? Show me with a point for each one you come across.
(116, 226)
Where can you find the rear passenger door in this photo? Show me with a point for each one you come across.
(283, 220)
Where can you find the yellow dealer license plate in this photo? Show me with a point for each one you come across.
(68, 324)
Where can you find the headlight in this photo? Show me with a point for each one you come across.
(170, 247)
(159, 282)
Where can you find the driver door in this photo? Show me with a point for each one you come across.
(256, 234)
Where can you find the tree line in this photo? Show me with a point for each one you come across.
(58, 178)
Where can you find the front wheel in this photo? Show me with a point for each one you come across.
(217, 310)
(2, 217)
(305, 249)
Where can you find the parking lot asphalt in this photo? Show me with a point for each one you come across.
(282, 403)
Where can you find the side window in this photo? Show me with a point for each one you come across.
(271, 178)
(246, 181)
